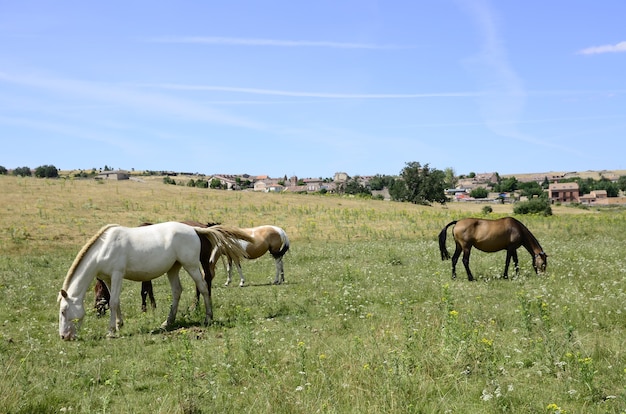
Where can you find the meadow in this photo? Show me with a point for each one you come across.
(369, 319)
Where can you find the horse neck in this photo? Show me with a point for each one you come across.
(82, 277)
(530, 242)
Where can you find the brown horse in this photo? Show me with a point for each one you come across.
(265, 239)
(102, 294)
(491, 236)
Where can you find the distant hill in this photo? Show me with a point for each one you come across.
(552, 175)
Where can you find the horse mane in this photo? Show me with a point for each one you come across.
(528, 233)
(82, 253)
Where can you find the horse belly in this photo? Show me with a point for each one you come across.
(140, 267)
(489, 247)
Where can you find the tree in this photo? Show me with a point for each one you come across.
(46, 171)
(421, 185)
(508, 185)
(451, 179)
(530, 189)
(378, 182)
(3, 170)
(398, 190)
(215, 183)
(354, 187)
(621, 182)
(23, 171)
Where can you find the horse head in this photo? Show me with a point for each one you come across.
(540, 262)
(71, 314)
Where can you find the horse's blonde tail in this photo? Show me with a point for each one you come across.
(225, 241)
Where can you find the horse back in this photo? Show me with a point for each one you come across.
(266, 238)
(488, 235)
(143, 253)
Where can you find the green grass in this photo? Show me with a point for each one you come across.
(367, 321)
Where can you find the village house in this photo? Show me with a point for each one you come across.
(228, 182)
(113, 175)
(596, 196)
(564, 192)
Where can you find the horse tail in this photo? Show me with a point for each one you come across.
(284, 246)
(225, 241)
(442, 241)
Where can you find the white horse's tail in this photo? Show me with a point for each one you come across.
(225, 241)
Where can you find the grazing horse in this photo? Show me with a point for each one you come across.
(491, 236)
(102, 294)
(265, 239)
(140, 254)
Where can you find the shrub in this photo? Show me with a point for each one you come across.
(479, 192)
(487, 210)
(46, 171)
(533, 206)
(23, 171)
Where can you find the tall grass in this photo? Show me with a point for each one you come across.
(367, 321)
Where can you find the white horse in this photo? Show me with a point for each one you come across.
(141, 254)
(265, 239)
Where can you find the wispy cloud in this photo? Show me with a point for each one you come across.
(302, 94)
(596, 50)
(235, 41)
(127, 97)
(504, 99)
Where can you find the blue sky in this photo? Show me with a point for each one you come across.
(313, 88)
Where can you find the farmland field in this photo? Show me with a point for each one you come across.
(368, 320)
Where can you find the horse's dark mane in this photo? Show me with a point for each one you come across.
(529, 235)
(82, 253)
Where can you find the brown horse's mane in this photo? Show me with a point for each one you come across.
(529, 234)
(82, 253)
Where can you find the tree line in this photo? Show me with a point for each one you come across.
(416, 183)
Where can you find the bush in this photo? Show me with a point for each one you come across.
(487, 210)
(479, 192)
(46, 171)
(23, 171)
(533, 206)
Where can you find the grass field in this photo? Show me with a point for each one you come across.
(367, 321)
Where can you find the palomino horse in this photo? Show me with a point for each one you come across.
(140, 254)
(491, 236)
(102, 294)
(265, 239)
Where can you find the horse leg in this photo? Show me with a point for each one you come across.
(144, 295)
(177, 289)
(204, 288)
(242, 280)
(151, 295)
(466, 260)
(455, 259)
(506, 264)
(115, 288)
(229, 269)
(516, 262)
(280, 271)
